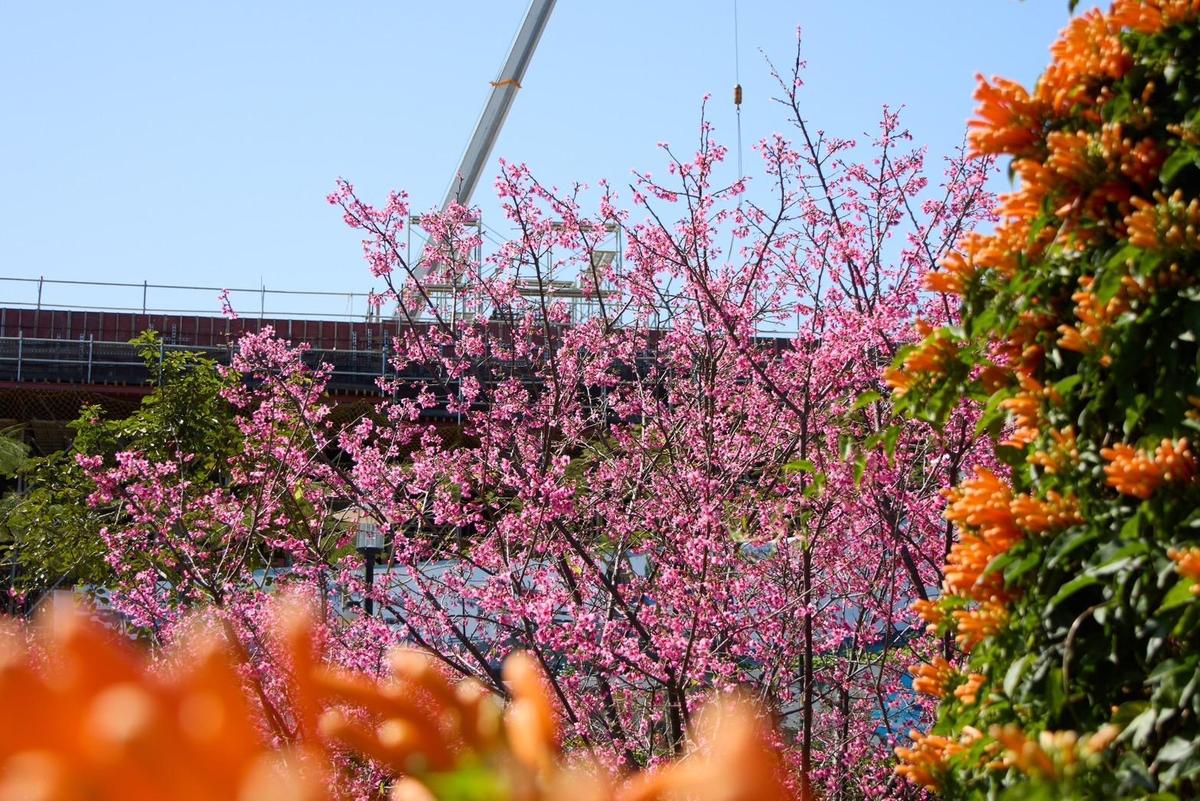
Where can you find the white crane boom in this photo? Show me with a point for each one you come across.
(504, 89)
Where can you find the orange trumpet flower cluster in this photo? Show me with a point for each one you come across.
(1187, 564)
(89, 718)
(1164, 223)
(1008, 121)
(1054, 753)
(931, 612)
(1063, 451)
(1135, 472)
(931, 678)
(1073, 169)
(956, 272)
(975, 253)
(968, 691)
(1084, 174)
(1047, 756)
(1041, 516)
(926, 760)
(992, 521)
(1089, 48)
(1094, 316)
(931, 357)
(976, 625)
(96, 723)
(1088, 148)
(1140, 161)
(1026, 410)
(981, 508)
(1151, 16)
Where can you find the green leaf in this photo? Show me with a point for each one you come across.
(468, 783)
(1107, 286)
(1015, 670)
(1067, 545)
(865, 399)
(1139, 728)
(1070, 588)
(1177, 596)
(13, 452)
(1067, 386)
(1123, 558)
(1020, 568)
(1055, 693)
(889, 443)
(1177, 749)
(1183, 157)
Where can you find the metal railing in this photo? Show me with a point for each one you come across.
(146, 298)
(90, 361)
(45, 294)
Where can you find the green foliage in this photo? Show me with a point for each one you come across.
(13, 452)
(54, 531)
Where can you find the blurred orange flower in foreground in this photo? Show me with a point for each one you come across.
(91, 717)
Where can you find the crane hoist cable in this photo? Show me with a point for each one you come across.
(737, 88)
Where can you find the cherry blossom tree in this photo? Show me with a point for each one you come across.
(675, 474)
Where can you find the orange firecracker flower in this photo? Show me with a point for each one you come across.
(1135, 472)
(1069, 158)
(976, 252)
(1015, 237)
(1152, 16)
(1187, 564)
(1164, 223)
(976, 625)
(961, 265)
(1093, 316)
(1001, 250)
(1039, 516)
(931, 612)
(96, 723)
(899, 380)
(1088, 49)
(1073, 339)
(1026, 203)
(981, 507)
(966, 568)
(733, 759)
(968, 691)
(1026, 410)
(1139, 161)
(1046, 756)
(1063, 452)
(981, 502)
(100, 722)
(1008, 119)
(926, 760)
(955, 273)
(931, 357)
(931, 678)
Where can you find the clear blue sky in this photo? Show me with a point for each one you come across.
(195, 142)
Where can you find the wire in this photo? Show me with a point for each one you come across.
(737, 58)
(737, 90)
